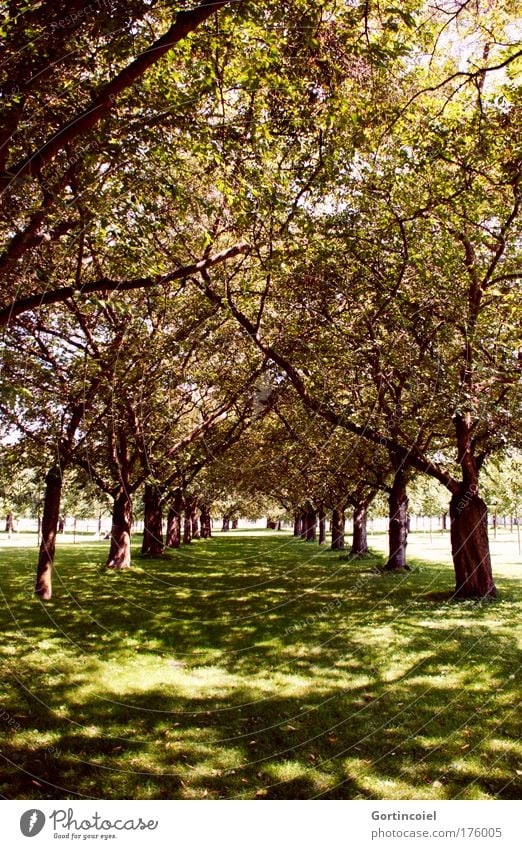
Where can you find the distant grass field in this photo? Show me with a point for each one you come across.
(253, 665)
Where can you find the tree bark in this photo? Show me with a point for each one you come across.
(470, 546)
(235, 523)
(311, 524)
(360, 539)
(298, 524)
(338, 523)
(120, 551)
(469, 523)
(187, 527)
(49, 527)
(9, 524)
(303, 530)
(322, 526)
(206, 523)
(226, 522)
(398, 523)
(153, 525)
(174, 523)
(194, 519)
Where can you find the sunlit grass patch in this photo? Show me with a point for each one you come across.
(258, 667)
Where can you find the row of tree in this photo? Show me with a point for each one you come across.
(289, 239)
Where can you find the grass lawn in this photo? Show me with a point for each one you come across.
(253, 665)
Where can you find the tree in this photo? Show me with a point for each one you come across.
(395, 309)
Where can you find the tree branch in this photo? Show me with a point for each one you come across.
(34, 302)
(185, 23)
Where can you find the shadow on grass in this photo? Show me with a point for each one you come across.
(255, 668)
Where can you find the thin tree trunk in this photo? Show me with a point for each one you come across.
(153, 522)
(226, 522)
(298, 523)
(398, 523)
(49, 527)
(304, 524)
(205, 522)
(120, 551)
(194, 519)
(322, 526)
(235, 523)
(360, 539)
(338, 523)
(187, 526)
(174, 523)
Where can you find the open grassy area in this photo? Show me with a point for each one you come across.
(253, 665)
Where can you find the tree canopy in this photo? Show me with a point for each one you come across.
(260, 229)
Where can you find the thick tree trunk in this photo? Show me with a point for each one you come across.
(322, 526)
(206, 524)
(298, 524)
(360, 539)
(226, 522)
(271, 524)
(49, 527)
(470, 546)
(153, 525)
(338, 523)
(120, 551)
(398, 523)
(311, 524)
(469, 522)
(173, 536)
(235, 523)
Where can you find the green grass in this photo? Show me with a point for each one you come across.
(256, 666)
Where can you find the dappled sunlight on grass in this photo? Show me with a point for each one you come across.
(257, 666)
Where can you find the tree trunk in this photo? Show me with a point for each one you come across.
(9, 524)
(311, 524)
(298, 524)
(398, 523)
(49, 526)
(444, 521)
(360, 539)
(194, 519)
(235, 523)
(271, 524)
(469, 522)
(187, 526)
(303, 531)
(338, 522)
(226, 522)
(470, 546)
(153, 525)
(206, 524)
(120, 552)
(322, 526)
(174, 523)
